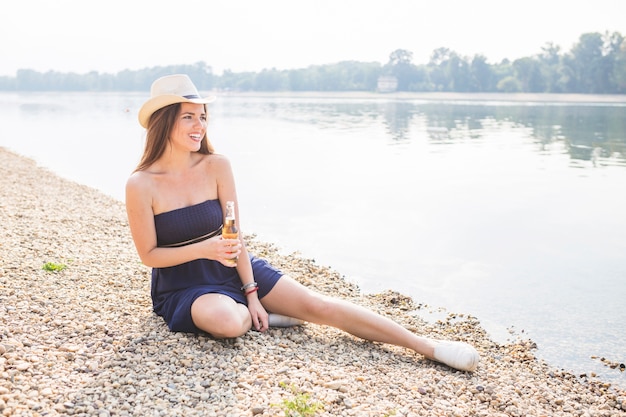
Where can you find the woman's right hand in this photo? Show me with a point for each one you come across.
(225, 251)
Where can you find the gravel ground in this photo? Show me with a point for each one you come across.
(84, 341)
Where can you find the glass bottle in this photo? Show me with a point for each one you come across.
(229, 230)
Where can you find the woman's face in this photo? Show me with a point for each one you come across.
(190, 127)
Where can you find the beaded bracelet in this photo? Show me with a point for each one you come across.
(253, 290)
(249, 285)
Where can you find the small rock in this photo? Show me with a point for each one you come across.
(22, 366)
(333, 385)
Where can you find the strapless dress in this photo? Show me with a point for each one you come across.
(175, 288)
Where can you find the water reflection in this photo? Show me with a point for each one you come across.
(594, 134)
(588, 133)
(398, 116)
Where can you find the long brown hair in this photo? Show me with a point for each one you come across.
(158, 133)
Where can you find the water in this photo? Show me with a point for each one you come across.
(511, 212)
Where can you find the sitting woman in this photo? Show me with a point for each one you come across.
(176, 200)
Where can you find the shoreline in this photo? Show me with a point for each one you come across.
(85, 341)
(542, 98)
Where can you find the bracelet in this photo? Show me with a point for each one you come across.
(249, 285)
(253, 290)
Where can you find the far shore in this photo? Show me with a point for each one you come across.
(539, 98)
(444, 96)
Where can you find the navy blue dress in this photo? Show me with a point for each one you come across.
(175, 288)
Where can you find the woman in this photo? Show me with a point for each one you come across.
(175, 202)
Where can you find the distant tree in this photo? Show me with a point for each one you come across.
(451, 72)
(509, 84)
(243, 81)
(300, 80)
(400, 66)
(359, 75)
(619, 69)
(550, 67)
(400, 57)
(271, 80)
(588, 64)
(483, 77)
(437, 69)
(420, 80)
(528, 73)
(458, 74)
(614, 47)
(7, 83)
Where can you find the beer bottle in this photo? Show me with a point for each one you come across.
(229, 230)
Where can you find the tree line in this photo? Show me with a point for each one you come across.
(596, 64)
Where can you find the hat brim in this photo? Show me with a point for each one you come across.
(161, 101)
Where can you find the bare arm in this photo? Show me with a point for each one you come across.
(226, 192)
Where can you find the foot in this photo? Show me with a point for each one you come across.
(457, 355)
(278, 320)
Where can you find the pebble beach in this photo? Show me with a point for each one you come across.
(78, 335)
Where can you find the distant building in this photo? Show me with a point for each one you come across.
(387, 84)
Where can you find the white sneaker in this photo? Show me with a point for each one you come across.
(278, 320)
(457, 355)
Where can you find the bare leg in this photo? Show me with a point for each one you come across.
(220, 316)
(291, 298)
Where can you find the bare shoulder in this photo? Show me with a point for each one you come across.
(216, 158)
(216, 162)
(139, 186)
(138, 180)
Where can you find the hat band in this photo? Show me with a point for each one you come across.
(192, 96)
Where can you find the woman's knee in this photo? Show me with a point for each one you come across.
(220, 317)
(229, 326)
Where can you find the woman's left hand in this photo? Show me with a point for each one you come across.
(258, 314)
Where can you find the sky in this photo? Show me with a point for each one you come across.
(250, 35)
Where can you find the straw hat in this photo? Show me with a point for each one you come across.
(167, 90)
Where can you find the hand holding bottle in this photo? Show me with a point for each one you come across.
(231, 232)
(221, 250)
